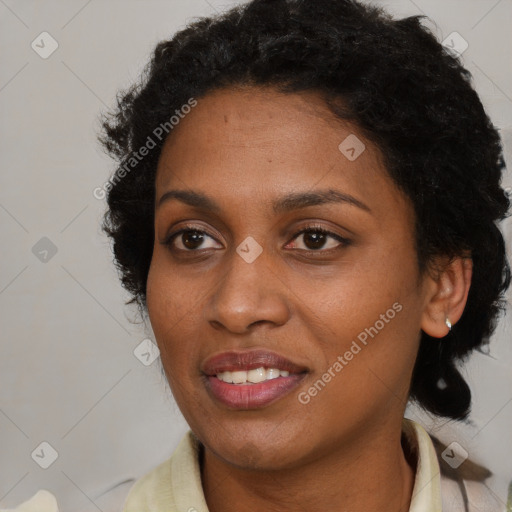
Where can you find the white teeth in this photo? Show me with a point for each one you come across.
(238, 377)
(226, 376)
(252, 376)
(272, 373)
(257, 375)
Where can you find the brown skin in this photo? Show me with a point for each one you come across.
(342, 451)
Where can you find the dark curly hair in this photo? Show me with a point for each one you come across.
(405, 92)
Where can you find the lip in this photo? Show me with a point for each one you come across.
(251, 396)
(249, 360)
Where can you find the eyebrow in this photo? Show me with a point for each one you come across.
(293, 201)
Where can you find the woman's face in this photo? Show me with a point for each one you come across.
(340, 311)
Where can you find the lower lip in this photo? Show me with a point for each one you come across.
(253, 396)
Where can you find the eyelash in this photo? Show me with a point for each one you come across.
(310, 228)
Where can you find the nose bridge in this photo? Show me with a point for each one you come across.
(249, 290)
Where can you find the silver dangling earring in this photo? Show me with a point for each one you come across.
(448, 323)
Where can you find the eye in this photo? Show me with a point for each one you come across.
(189, 239)
(315, 238)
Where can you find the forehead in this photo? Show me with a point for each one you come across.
(261, 119)
(242, 144)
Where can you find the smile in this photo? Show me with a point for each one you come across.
(255, 376)
(250, 379)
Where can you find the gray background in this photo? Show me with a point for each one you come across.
(68, 373)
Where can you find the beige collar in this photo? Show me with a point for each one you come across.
(426, 493)
(176, 483)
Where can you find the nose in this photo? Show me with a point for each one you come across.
(248, 294)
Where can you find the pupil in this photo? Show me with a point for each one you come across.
(317, 239)
(196, 237)
(312, 239)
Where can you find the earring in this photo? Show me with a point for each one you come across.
(448, 323)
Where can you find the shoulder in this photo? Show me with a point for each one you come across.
(464, 483)
(446, 479)
(149, 488)
(175, 484)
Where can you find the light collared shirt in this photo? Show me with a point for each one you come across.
(175, 485)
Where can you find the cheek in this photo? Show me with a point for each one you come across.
(348, 302)
(364, 367)
(169, 304)
(369, 317)
(164, 292)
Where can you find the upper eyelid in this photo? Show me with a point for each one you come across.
(340, 238)
(182, 229)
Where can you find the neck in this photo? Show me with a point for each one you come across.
(371, 473)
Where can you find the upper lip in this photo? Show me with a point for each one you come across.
(249, 360)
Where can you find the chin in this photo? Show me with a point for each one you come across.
(257, 448)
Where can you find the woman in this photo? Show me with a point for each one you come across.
(306, 210)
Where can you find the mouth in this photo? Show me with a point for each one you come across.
(255, 376)
(251, 379)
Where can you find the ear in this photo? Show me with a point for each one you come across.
(447, 294)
